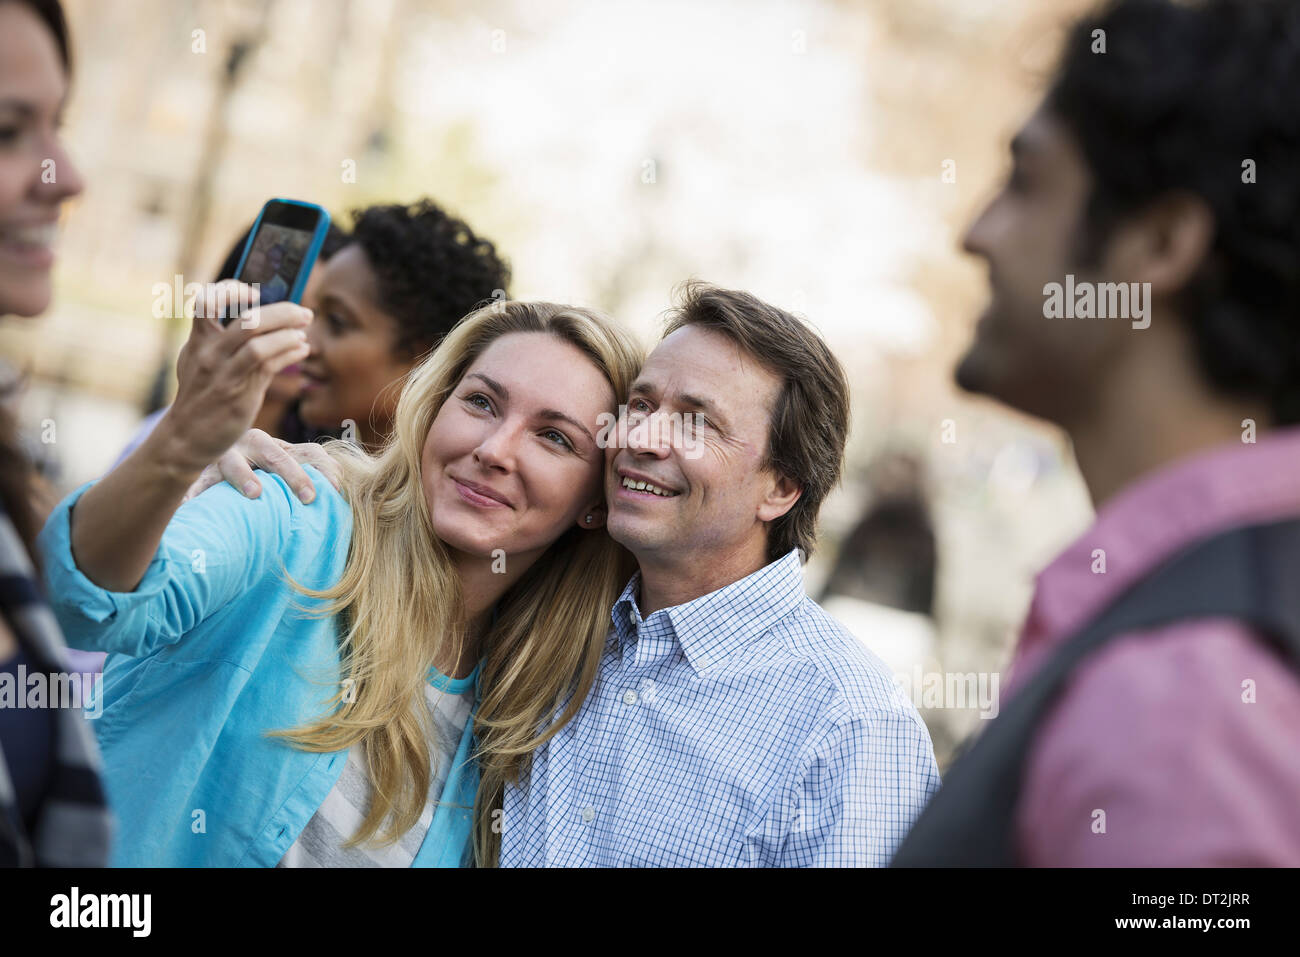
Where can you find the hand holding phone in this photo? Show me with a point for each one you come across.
(223, 371)
(281, 250)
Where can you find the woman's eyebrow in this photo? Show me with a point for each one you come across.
(492, 384)
(552, 414)
(548, 414)
(334, 299)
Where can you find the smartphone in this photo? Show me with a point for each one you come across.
(281, 250)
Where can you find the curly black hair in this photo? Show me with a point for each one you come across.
(1185, 94)
(431, 269)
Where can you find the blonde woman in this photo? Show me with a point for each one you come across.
(296, 684)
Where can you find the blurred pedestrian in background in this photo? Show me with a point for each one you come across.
(882, 585)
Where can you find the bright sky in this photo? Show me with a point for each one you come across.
(755, 120)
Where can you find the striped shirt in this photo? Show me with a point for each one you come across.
(344, 808)
(744, 728)
(73, 826)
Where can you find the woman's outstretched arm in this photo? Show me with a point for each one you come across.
(223, 373)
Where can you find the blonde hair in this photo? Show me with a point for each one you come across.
(399, 589)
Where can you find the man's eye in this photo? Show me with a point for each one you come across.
(636, 406)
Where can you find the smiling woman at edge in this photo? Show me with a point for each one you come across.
(52, 810)
(474, 551)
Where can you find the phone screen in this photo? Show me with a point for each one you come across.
(274, 260)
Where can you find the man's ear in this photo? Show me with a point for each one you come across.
(780, 498)
(596, 512)
(1167, 243)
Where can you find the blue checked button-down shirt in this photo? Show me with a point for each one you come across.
(744, 728)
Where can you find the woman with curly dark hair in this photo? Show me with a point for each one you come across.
(384, 301)
(384, 297)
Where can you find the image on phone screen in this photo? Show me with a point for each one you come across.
(275, 259)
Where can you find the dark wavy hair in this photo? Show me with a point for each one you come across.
(1182, 97)
(431, 269)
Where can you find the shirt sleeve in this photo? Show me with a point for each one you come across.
(862, 786)
(215, 548)
(1172, 748)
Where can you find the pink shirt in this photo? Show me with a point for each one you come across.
(1153, 729)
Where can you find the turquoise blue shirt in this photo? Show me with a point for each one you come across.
(208, 653)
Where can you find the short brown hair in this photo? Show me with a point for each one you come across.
(810, 420)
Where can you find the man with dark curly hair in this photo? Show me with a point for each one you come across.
(406, 275)
(1154, 697)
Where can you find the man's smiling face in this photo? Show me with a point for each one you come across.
(712, 487)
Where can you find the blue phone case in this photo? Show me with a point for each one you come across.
(309, 257)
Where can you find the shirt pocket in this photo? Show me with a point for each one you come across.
(696, 822)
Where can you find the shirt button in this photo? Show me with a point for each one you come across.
(629, 696)
(588, 814)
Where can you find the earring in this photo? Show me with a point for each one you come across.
(588, 518)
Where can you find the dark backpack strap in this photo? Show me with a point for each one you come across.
(1251, 574)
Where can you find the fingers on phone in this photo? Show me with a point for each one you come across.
(226, 298)
(272, 351)
(289, 357)
(279, 315)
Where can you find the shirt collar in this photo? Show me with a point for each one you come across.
(713, 627)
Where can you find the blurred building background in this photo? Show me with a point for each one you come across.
(795, 148)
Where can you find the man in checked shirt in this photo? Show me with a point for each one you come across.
(733, 722)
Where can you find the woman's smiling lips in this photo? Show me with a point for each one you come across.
(311, 380)
(480, 495)
(29, 244)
